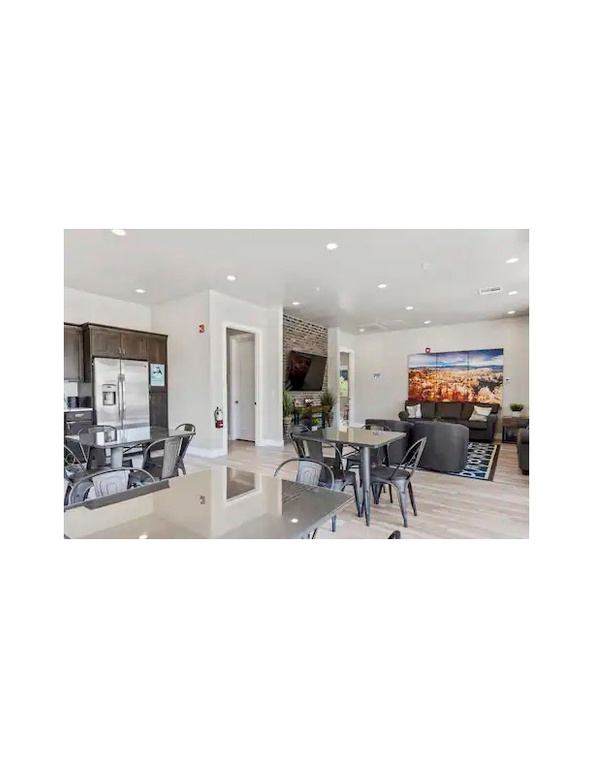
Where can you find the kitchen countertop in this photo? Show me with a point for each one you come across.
(68, 410)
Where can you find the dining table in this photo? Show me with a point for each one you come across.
(216, 502)
(364, 440)
(116, 440)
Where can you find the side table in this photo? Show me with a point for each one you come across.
(510, 426)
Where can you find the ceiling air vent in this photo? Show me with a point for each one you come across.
(487, 291)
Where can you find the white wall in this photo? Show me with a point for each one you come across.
(387, 354)
(81, 307)
(197, 365)
(188, 355)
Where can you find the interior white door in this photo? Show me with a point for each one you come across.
(243, 388)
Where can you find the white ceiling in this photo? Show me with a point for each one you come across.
(437, 271)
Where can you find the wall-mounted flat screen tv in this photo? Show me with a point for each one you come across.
(304, 372)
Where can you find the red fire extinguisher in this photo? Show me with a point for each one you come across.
(218, 423)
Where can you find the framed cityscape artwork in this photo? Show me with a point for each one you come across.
(475, 375)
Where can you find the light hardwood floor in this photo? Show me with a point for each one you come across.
(448, 507)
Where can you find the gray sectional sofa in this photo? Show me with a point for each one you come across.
(456, 413)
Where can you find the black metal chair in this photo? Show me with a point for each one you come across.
(399, 477)
(107, 482)
(96, 458)
(191, 432)
(166, 465)
(395, 535)
(297, 429)
(74, 470)
(343, 478)
(378, 455)
(315, 473)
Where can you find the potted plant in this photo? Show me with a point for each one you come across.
(287, 410)
(516, 407)
(328, 401)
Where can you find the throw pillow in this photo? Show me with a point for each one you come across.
(480, 413)
(414, 411)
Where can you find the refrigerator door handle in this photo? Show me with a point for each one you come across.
(120, 405)
(123, 390)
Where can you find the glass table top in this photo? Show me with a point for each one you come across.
(354, 436)
(129, 436)
(214, 503)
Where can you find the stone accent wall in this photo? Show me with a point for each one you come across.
(304, 336)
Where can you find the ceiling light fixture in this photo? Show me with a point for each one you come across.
(511, 312)
(361, 330)
(513, 293)
(296, 303)
(512, 261)
(331, 246)
(231, 277)
(140, 290)
(409, 308)
(294, 520)
(382, 285)
(119, 232)
(427, 322)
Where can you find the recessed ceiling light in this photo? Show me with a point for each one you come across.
(331, 246)
(382, 285)
(140, 290)
(361, 330)
(427, 322)
(143, 536)
(408, 308)
(512, 261)
(511, 312)
(513, 293)
(294, 520)
(295, 303)
(119, 232)
(231, 277)
(318, 288)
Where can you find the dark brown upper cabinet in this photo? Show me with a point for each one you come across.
(73, 368)
(157, 349)
(158, 410)
(104, 342)
(134, 345)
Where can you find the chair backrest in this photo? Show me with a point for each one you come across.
(293, 432)
(185, 441)
(314, 450)
(413, 456)
(376, 425)
(106, 483)
(171, 447)
(71, 460)
(101, 428)
(310, 472)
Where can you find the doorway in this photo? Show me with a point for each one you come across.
(241, 384)
(346, 393)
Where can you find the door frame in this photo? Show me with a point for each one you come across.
(351, 383)
(234, 415)
(257, 332)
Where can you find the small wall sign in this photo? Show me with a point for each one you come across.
(201, 328)
(376, 375)
(157, 375)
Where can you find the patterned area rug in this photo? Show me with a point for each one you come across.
(481, 461)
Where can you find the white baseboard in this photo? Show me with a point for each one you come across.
(271, 443)
(207, 453)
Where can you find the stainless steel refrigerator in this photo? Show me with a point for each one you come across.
(121, 392)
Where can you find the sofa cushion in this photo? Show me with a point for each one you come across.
(448, 410)
(428, 409)
(474, 424)
(466, 410)
(414, 411)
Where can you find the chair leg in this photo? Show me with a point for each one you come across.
(403, 505)
(334, 518)
(357, 499)
(391, 494)
(376, 489)
(182, 466)
(412, 499)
